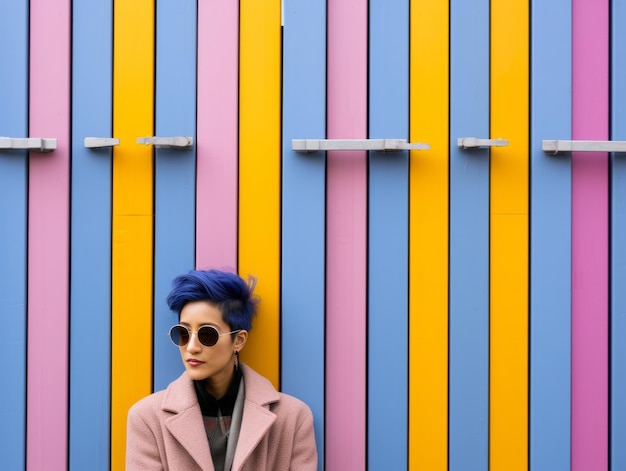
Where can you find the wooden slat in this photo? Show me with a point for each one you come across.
(508, 446)
(303, 209)
(617, 275)
(132, 265)
(428, 229)
(550, 239)
(388, 216)
(346, 237)
(48, 237)
(590, 236)
(259, 175)
(217, 134)
(13, 236)
(469, 238)
(175, 172)
(90, 288)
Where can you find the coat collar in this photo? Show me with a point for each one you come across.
(186, 426)
(257, 417)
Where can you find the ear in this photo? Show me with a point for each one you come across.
(240, 339)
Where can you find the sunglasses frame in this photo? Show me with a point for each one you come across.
(191, 332)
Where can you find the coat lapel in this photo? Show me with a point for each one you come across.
(185, 424)
(187, 428)
(257, 417)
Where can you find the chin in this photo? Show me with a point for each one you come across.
(197, 375)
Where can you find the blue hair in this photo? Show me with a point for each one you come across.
(227, 291)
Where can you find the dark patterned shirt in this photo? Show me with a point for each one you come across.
(217, 417)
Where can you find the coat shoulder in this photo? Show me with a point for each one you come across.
(293, 403)
(177, 397)
(291, 409)
(148, 405)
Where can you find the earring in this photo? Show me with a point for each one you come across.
(236, 359)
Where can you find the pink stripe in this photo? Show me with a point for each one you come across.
(48, 237)
(346, 237)
(217, 134)
(590, 238)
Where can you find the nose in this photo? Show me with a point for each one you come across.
(194, 344)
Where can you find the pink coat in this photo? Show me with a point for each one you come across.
(166, 431)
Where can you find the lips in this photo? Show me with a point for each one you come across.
(194, 362)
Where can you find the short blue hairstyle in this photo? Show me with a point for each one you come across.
(227, 291)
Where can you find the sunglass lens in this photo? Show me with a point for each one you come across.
(179, 335)
(208, 335)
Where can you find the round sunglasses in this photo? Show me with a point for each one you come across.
(207, 335)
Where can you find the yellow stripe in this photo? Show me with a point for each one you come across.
(259, 175)
(428, 349)
(509, 237)
(132, 215)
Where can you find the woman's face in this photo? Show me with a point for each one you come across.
(214, 363)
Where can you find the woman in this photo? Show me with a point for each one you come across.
(219, 414)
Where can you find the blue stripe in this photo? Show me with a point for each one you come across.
(13, 191)
(618, 241)
(550, 238)
(90, 288)
(303, 208)
(174, 237)
(388, 232)
(469, 238)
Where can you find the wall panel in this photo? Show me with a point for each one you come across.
(13, 233)
(590, 88)
(617, 419)
(259, 175)
(469, 238)
(303, 209)
(217, 134)
(90, 283)
(346, 194)
(133, 217)
(48, 237)
(428, 236)
(550, 239)
(508, 263)
(387, 249)
(175, 172)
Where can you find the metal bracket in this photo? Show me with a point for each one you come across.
(178, 142)
(35, 144)
(96, 142)
(314, 145)
(473, 142)
(583, 146)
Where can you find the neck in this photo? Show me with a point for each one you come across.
(217, 386)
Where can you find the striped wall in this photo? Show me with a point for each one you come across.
(438, 309)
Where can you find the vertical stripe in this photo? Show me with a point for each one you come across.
(590, 238)
(550, 239)
(346, 237)
(259, 176)
(303, 198)
(48, 238)
(174, 225)
(217, 129)
(90, 289)
(13, 204)
(388, 238)
(618, 242)
(133, 90)
(428, 244)
(509, 237)
(469, 238)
